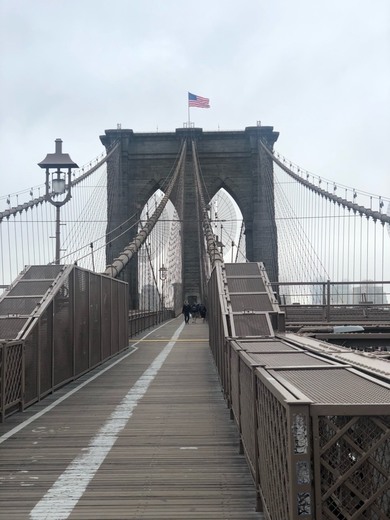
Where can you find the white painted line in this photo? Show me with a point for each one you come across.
(25, 423)
(59, 502)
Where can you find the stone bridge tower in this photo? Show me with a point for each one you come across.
(232, 160)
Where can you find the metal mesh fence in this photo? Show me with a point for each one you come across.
(354, 466)
(273, 458)
(11, 378)
(247, 419)
(81, 321)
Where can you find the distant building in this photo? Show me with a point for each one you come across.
(341, 294)
(369, 293)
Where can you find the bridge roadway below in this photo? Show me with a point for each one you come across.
(147, 435)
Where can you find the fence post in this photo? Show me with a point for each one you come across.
(328, 301)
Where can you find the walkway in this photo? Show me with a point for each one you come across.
(147, 436)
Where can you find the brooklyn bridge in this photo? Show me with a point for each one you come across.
(275, 406)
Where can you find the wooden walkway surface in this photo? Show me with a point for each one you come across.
(147, 436)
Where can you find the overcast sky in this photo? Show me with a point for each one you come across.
(318, 71)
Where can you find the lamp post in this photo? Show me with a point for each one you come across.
(58, 183)
(163, 276)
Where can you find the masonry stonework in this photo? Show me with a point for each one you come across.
(232, 160)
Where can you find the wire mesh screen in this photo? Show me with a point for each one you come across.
(248, 427)
(235, 384)
(81, 320)
(251, 324)
(45, 341)
(354, 467)
(95, 307)
(273, 456)
(10, 366)
(217, 318)
(63, 337)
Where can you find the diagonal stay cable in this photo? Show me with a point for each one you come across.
(212, 248)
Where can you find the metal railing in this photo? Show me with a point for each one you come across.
(140, 320)
(326, 302)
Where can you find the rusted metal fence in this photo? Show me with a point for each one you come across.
(315, 431)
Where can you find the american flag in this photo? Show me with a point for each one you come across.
(198, 101)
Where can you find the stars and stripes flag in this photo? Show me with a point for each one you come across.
(198, 101)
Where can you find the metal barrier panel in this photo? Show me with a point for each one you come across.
(11, 376)
(235, 384)
(106, 317)
(273, 461)
(95, 325)
(247, 399)
(32, 360)
(217, 318)
(122, 316)
(63, 332)
(81, 321)
(278, 441)
(114, 317)
(45, 352)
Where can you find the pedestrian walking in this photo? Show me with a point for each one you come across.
(194, 312)
(186, 311)
(202, 312)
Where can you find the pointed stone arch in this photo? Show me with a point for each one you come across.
(232, 160)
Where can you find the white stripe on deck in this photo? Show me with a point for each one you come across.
(59, 502)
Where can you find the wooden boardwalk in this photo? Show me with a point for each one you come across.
(147, 436)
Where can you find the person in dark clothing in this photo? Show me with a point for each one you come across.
(186, 311)
(202, 312)
(194, 311)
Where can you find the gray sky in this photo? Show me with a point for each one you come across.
(316, 70)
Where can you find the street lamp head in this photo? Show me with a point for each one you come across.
(57, 159)
(58, 181)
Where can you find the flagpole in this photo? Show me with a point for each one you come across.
(188, 106)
